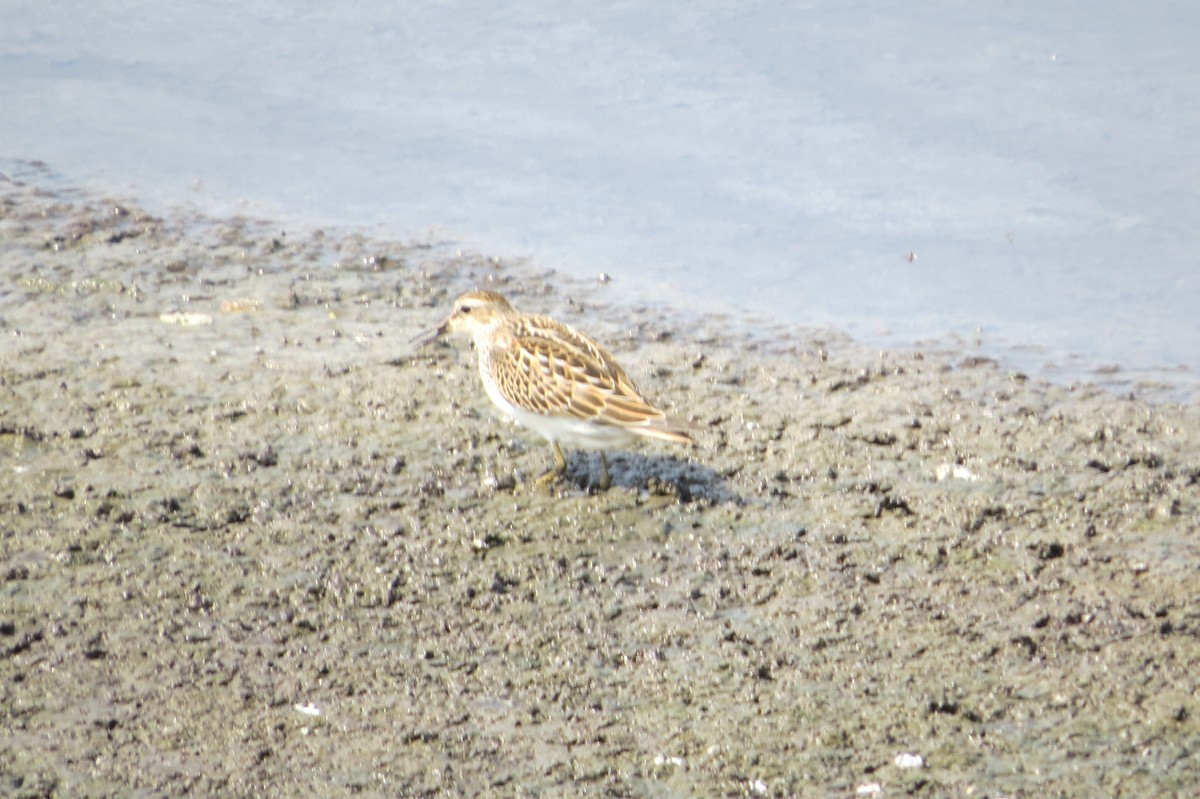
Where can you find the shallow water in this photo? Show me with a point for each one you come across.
(1022, 180)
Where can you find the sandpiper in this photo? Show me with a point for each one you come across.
(556, 381)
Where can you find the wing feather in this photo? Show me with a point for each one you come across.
(547, 367)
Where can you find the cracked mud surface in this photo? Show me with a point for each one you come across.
(252, 542)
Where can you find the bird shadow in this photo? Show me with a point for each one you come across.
(661, 475)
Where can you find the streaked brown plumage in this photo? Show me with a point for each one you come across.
(557, 381)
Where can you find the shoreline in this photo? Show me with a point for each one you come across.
(1162, 384)
(258, 544)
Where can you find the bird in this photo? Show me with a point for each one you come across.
(556, 381)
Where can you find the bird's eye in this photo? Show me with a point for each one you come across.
(464, 309)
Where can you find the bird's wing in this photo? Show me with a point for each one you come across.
(553, 369)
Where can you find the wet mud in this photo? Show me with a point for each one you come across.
(254, 542)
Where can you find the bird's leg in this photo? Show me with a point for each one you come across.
(560, 466)
(605, 478)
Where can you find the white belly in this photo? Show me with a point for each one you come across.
(573, 432)
(565, 430)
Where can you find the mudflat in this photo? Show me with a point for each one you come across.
(255, 542)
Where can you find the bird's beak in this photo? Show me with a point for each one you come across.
(428, 336)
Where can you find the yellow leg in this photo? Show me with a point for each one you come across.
(605, 479)
(560, 467)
